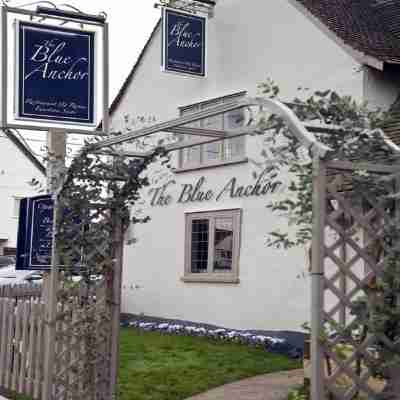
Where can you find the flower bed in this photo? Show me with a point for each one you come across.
(270, 343)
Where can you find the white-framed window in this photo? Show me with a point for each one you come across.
(16, 205)
(212, 246)
(224, 151)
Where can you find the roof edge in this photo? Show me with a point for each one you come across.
(27, 153)
(358, 56)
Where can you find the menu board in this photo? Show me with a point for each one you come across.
(35, 233)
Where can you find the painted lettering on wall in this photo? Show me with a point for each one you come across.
(198, 191)
(55, 74)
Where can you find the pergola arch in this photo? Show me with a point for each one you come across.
(303, 131)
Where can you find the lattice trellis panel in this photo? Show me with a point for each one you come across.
(83, 327)
(350, 263)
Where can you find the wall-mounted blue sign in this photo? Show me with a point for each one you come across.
(35, 233)
(183, 43)
(55, 75)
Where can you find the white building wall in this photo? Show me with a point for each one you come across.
(15, 173)
(248, 42)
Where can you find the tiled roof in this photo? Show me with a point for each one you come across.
(371, 27)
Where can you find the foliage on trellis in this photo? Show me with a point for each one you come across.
(94, 199)
(374, 302)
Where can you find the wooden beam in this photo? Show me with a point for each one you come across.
(370, 167)
(177, 122)
(185, 130)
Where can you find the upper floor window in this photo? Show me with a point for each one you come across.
(228, 150)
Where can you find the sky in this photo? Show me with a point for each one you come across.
(130, 25)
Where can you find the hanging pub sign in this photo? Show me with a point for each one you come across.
(35, 233)
(55, 74)
(183, 43)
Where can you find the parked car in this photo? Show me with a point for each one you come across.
(6, 261)
(10, 276)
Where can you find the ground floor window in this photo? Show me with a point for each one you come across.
(212, 246)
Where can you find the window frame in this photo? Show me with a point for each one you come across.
(229, 277)
(221, 160)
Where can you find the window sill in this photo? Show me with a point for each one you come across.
(213, 164)
(210, 278)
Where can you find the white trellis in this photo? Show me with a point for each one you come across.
(343, 267)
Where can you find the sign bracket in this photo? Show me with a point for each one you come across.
(192, 6)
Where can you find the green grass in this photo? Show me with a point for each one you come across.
(155, 366)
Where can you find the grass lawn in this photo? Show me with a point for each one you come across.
(156, 366)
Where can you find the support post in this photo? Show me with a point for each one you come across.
(4, 68)
(56, 150)
(317, 279)
(115, 287)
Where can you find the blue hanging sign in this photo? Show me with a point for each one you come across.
(183, 43)
(55, 77)
(35, 233)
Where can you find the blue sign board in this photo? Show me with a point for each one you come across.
(184, 43)
(35, 233)
(55, 76)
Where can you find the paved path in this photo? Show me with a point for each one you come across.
(265, 387)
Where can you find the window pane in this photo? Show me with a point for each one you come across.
(223, 244)
(213, 123)
(191, 155)
(212, 151)
(17, 203)
(199, 251)
(234, 148)
(234, 119)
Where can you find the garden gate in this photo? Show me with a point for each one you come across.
(346, 233)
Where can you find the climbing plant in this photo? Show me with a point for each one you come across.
(352, 132)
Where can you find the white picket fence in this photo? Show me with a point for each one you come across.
(22, 346)
(23, 341)
(22, 291)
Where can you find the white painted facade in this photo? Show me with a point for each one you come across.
(16, 171)
(247, 42)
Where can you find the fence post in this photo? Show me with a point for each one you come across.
(317, 279)
(56, 150)
(115, 287)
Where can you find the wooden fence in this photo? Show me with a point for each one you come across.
(23, 341)
(22, 346)
(22, 291)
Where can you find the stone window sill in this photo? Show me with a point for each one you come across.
(211, 278)
(213, 164)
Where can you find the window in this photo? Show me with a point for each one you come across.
(212, 246)
(222, 152)
(17, 202)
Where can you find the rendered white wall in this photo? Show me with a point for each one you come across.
(15, 173)
(248, 42)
